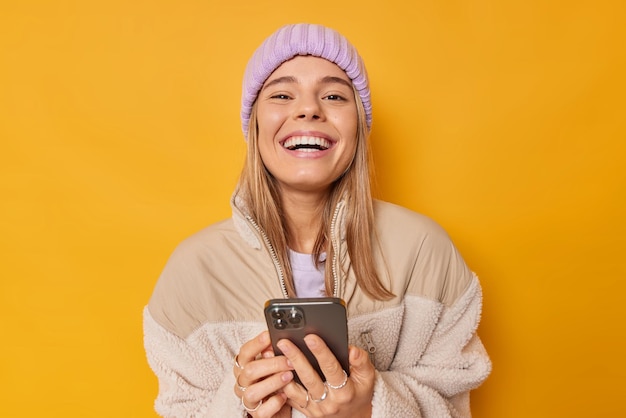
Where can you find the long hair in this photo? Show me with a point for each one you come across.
(260, 192)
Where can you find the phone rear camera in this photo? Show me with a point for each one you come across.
(280, 323)
(295, 317)
(277, 314)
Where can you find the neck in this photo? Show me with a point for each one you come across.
(303, 214)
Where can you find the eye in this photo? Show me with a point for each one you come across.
(335, 97)
(280, 96)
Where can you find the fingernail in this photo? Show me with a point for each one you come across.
(310, 341)
(284, 347)
(287, 377)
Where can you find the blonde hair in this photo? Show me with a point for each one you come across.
(260, 192)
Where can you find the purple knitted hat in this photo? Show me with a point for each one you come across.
(302, 39)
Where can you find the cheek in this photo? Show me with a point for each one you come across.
(268, 128)
(347, 123)
(269, 119)
(349, 155)
(265, 147)
(350, 149)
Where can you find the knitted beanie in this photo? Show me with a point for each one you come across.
(302, 39)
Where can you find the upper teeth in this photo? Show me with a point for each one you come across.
(306, 140)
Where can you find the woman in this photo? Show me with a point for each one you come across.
(304, 224)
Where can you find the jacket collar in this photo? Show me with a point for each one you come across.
(244, 223)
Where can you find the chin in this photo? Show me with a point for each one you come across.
(306, 186)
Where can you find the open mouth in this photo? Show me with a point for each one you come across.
(306, 143)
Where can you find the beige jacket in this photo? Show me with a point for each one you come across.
(209, 301)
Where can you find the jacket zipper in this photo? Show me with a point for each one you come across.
(369, 343)
(335, 244)
(270, 247)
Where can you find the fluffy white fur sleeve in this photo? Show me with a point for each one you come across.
(439, 359)
(195, 376)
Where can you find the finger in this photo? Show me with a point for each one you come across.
(252, 348)
(269, 353)
(268, 407)
(266, 387)
(362, 371)
(247, 353)
(274, 404)
(333, 372)
(306, 373)
(297, 396)
(261, 369)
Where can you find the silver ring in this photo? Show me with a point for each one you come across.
(237, 365)
(241, 388)
(324, 395)
(340, 385)
(307, 401)
(251, 409)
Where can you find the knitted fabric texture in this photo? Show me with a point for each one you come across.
(302, 39)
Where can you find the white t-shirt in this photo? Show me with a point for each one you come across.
(308, 280)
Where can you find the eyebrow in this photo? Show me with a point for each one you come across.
(331, 79)
(325, 80)
(279, 80)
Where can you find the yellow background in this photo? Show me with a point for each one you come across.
(505, 121)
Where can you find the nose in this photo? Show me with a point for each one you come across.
(309, 108)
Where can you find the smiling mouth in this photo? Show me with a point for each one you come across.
(306, 143)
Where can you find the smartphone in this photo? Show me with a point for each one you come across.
(295, 318)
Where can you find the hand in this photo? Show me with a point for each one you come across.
(260, 378)
(339, 396)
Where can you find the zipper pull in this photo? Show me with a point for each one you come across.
(371, 348)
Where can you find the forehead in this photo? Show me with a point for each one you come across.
(306, 68)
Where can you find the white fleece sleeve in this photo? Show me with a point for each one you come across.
(439, 359)
(193, 380)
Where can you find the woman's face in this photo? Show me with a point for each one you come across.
(307, 120)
